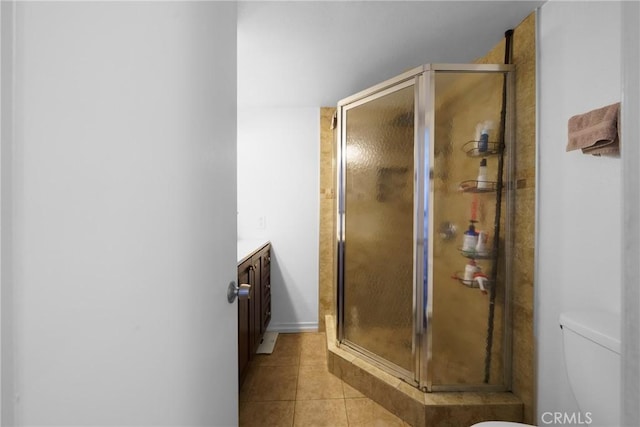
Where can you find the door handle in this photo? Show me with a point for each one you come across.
(241, 291)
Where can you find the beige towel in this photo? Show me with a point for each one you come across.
(596, 132)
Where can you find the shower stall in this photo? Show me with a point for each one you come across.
(425, 202)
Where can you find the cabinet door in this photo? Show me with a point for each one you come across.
(266, 313)
(244, 325)
(255, 308)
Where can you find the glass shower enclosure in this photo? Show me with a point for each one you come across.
(425, 162)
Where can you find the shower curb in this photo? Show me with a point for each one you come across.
(412, 405)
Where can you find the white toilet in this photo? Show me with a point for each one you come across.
(500, 424)
(592, 355)
(592, 358)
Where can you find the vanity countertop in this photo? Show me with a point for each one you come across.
(246, 247)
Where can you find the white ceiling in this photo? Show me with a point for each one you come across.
(293, 54)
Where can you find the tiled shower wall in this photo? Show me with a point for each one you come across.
(524, 224)
(327, 291)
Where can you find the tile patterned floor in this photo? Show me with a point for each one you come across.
(292, 387)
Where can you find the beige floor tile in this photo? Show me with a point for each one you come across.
(293, 386)
(350, 392)
(271, 383)
(248, 380)
(285, 353)
(313, 358)
(365, 412)
(330, 413)
(307, 338)
(258, 414)
(316, 382)
(277, 358)
(314, 349)
(288, 343)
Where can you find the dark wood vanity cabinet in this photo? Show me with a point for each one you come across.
(254, 313)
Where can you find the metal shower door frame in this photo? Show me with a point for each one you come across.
(410, 78)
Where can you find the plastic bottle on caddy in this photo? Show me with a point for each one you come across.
(469, 271)
(483, 143)
(470, 239)
(481, 247)
(482, 175)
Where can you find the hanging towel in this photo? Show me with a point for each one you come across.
(596, 132)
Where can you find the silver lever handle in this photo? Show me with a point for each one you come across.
(241, 291)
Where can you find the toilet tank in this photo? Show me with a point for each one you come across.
(592, 357)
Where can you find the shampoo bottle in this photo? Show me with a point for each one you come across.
(481, 247)
(469, 271)
(470, 239)
(482, 175)
(483, 143)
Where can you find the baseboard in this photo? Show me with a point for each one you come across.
(293, 327)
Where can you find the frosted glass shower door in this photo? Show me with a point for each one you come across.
(377, 220)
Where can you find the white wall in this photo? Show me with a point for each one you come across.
(579, 240)
(278, 181)
(124, 213)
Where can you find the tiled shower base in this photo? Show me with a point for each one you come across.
(413, 406)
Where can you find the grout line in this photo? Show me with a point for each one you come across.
(295, 399)
(346, 413)
(319, 398)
